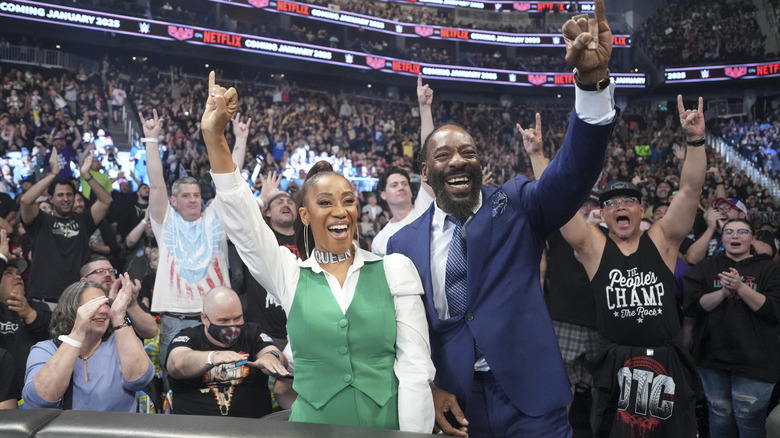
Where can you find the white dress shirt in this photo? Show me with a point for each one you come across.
(278, 271)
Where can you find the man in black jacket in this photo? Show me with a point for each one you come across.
(22, 322)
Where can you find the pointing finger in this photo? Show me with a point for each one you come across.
(601, 15)
(680, 106)
(538, 123)
(701, 105)
(212, 81)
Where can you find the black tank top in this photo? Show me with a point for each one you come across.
(635, 296)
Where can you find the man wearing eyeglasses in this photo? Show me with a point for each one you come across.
(710, 242)
(99, 270)
(632, 274)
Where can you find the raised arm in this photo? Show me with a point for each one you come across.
(269, 263)
(580, 235)
(134, 236)
(425, 100)
(100, 207)
(532, 142)
(569, 177)
(241, 132)
(144, 323)
(133, 361)
(670, 230)
(720, 183)
(158, 192)
(28, 206)
(220, 107)
(698, 249)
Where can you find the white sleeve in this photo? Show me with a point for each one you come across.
(595, 107)
(413, 365)
(272, 265)
(421, 204)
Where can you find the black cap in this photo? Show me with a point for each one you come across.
(620, 188)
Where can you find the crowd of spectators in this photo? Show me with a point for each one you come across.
(758, 141)
(361, 133)
(691, 32)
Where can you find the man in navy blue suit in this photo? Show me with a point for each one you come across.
(492, 339)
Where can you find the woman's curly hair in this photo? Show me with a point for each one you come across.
(64, 316)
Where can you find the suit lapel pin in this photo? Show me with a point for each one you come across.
(499, 203)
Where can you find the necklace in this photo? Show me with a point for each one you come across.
(84, 360)
(324, 257)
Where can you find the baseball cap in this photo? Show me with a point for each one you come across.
(20, 264)
(734, 202)
(620, 188)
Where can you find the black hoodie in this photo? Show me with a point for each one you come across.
(732, 337)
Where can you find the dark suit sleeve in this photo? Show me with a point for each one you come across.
(558, 194)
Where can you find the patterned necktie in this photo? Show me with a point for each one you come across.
(455, 275)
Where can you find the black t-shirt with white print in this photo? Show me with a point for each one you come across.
(224, 390)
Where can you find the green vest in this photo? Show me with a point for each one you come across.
(333, 350)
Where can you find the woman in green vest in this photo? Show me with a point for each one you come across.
(356, 322)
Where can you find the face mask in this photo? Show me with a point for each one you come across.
(226, 334)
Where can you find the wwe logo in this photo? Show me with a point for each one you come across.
(498, 6)
(705, 74)
(349, 59)
(537, 79)
(512, 77)
(259, 3)
(556, 40)
(375, 63)
(143, 27)
(399, 28)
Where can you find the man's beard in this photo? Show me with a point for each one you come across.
(459, 208)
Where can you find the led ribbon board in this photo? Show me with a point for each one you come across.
(184, 34)
(723, 72)
(413, 30)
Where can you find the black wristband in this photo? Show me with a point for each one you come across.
(696, 143)
(598, 86)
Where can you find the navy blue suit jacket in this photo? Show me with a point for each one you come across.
(506, 313)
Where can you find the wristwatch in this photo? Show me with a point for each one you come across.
(127, 323)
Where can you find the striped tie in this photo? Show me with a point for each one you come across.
(455, 276)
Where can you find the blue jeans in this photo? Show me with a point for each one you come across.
(169, 328)
(736, 403)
